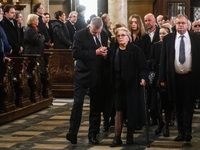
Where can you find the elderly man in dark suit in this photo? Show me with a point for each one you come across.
(11, 29)
(72, 18)
(88, 50)
(180, 72)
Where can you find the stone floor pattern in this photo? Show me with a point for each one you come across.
(46, 130)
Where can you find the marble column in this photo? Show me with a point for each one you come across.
(45, 3)
(117, 10)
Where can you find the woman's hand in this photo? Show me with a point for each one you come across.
(143, 82)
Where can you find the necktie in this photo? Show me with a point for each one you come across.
(97, 42)
(182, 51)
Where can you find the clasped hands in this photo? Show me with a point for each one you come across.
(102, 51)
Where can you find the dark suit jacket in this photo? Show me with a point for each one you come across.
(71, 30)
(167, 69)
(61, 36)
(43, 29)
(12, 34)
(87, 68)
(80, 23)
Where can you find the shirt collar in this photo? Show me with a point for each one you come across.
(185, 35)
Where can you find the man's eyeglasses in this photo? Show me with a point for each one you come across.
(122, 35)
(197, 25)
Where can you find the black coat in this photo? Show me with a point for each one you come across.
(71, 29)
(87, 68)
(167, 69)
(33, 41)
(155, 55)
(13, 35)
(80, 23)
(133, 70)
(144, 43)
(43, 29)
(61, 36)
(156, 36)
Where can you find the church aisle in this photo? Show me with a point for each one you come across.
(46, 130)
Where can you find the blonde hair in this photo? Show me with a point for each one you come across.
(31, 17)
(128, 33)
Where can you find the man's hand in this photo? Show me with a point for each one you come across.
(102, 51)
(9, 53)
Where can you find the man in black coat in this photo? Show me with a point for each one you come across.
(180, 72)
(11, 29)
(152, 29)
(70, 24)
(88, 52)
(80, 23)
(153, 32)
(38, 9)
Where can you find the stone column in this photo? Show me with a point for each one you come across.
(117, 10)
(45, 3)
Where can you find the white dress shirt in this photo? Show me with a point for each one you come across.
(186, 67)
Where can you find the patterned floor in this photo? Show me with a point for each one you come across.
(46, 130)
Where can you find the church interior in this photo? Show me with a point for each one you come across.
(34, 114)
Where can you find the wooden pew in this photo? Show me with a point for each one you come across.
(61, 68)
(20, 80)
(13, 105)
(7, 92)
(34, 77)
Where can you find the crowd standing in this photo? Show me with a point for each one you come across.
(118, 64)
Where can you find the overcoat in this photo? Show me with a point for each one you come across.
(167, 69)
(133, 70)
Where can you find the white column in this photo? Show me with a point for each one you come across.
(117, 10)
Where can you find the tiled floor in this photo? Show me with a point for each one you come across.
(46, 130)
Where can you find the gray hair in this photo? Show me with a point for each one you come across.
(128, 33)
(71, 13)
(96, 22)
(182, 15)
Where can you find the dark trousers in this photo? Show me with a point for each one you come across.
(184, 103)
(76, 114)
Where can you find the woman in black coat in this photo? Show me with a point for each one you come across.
(129, 73)
(138, 34)
(33, 40)
(61, 35)
(162, 100)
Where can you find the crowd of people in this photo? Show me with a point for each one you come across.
(117, 64)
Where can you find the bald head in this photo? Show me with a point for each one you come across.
(150, 22)
(159, 20)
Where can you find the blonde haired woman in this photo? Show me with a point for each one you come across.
(33, 41)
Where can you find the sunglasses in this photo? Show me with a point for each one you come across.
(197, 25)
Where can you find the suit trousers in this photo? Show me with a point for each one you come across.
(76, 113)
(184, 103)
